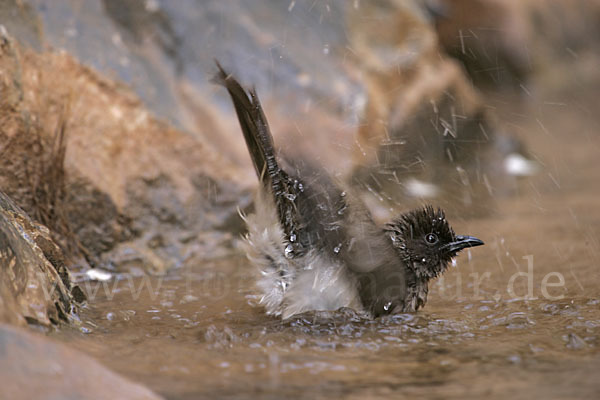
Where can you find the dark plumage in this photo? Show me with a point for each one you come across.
(315, 243)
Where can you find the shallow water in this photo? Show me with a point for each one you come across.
(199, 334)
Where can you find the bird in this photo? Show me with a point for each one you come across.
(315, 244)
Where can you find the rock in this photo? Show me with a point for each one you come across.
(488, 37)
(35, 286)
(432, 137)
(22, 21)
(507, 43)
(34, 367)
(125, 177)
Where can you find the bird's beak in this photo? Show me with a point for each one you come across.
(462, 242)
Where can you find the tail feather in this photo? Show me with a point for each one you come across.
(284, 189)
(254, 127)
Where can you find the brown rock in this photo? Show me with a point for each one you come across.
(34, 367)
(425, 131)
(117, 176)
(506, 42)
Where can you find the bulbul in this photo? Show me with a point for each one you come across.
(315, 243)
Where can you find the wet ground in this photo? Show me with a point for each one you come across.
(198, 333)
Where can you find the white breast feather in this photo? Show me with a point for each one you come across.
(292, 286)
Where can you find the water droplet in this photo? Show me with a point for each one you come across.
(97, 274)
(188, 298)
(423, 260)
(337, 248)
(289, 251)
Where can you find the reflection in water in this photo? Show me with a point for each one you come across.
(519, 319)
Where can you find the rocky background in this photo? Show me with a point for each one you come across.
(116, 153)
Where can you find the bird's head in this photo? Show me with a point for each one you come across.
(425, 240)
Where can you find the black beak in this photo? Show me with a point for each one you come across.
(462, 242)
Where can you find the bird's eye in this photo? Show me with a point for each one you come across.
(431, 238)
